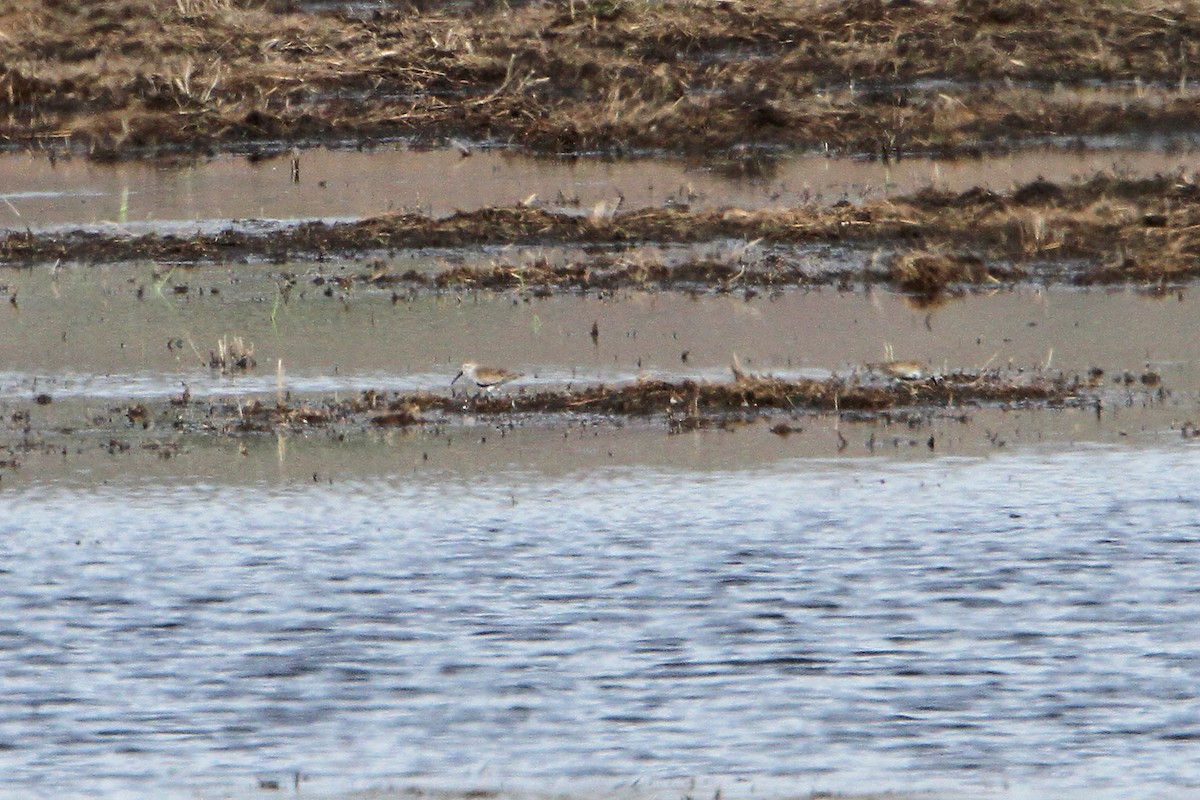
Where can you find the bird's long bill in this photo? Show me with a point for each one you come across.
(456, 377)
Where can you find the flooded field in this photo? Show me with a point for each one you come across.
(127, 344)
(967, 598)
(75, 330)
(236, 594)
(581, 605)
(663, 401)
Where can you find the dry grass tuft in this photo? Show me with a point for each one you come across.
(595, 74)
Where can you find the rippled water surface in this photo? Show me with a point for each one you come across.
(1022, 625)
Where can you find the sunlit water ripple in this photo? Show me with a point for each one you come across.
(1023, 625)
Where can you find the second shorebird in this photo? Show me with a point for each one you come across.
(486, 378)
(903, 370)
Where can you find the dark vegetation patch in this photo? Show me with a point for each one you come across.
(682, 405)
(127, 78)
(781, 406)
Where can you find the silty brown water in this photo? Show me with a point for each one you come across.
(349, 184)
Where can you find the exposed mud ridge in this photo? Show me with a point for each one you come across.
(130, 78)
(1110, 230)
(683, 405)
(782, 407)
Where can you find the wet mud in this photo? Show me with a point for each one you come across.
(130, 78)
(870, 409)
(691, 404)
(875, 395)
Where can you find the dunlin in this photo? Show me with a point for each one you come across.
(904, 370)
(486, 378)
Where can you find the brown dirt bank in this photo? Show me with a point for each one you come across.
(782, 407)
(129, 78)
(1107, 230)
(684, 405)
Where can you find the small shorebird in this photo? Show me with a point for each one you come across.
(486, 378)
(904, 370)
(901, 370)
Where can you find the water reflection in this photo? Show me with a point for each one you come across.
(341, 184)
(125, 339)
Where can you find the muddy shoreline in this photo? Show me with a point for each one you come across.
(133, 79)
(785, 406)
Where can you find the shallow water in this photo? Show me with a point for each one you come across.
(1014, 626)
(349, 184)
(85, 333)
